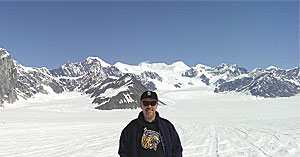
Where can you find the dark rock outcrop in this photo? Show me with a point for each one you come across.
(128, 90)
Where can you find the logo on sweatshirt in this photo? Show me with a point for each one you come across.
(150, 139)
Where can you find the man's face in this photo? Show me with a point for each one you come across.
(149, 111)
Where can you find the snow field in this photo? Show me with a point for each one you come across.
(59, 139)
(269, 138)
(241, 139)
(209, 125)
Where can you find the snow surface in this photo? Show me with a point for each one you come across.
(111, 92)
(208, 125)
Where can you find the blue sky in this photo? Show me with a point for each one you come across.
(249, 33)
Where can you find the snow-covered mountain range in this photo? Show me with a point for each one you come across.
(120, 85)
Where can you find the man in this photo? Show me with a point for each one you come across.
(149, 135)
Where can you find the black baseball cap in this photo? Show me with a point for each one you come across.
(149, 94)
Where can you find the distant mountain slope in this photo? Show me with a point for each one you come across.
(119, 86)
(272, 82)
(119, 94)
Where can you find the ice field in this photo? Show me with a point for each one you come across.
(209, 125)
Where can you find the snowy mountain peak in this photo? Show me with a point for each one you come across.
(3, 53)
(68, 64)
(144, 63)
(118, 63)
(224, 65)
(257, 70)
(180, 64)
(125, 68)
(231, 68)
(163, 67)
(147, 66)
(90, 60)
(201, 66)
(272, 68)
(23, 68)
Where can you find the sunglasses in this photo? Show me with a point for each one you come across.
(152, 103)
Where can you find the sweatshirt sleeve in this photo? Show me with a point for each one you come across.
(123, 145)
(176, 145)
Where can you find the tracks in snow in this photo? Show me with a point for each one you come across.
(59, 139)
(248, 138)
(208, 139)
